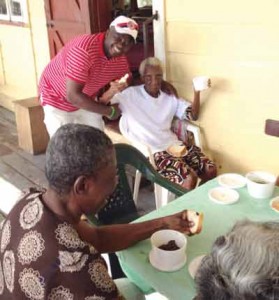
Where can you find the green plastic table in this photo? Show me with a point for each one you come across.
(218, 219)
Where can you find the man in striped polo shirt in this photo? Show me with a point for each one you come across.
(71, 83)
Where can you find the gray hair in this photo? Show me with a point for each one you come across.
(149, 61)
(73, 151)
(244, 264)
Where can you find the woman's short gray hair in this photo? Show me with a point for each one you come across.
(244, 264)
(149, 61)
(73, 151)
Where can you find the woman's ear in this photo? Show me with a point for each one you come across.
(81, 185)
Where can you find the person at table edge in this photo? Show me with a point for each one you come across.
(243, 264)
(47, 251)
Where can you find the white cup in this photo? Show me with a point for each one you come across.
(168, 260)
(201, 83)
(260, 184)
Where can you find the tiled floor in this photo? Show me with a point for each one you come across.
(18, 169)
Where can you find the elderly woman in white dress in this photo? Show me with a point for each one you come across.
(147, 114)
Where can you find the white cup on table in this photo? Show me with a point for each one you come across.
(260, 184)
(168, 251)
(201, 83)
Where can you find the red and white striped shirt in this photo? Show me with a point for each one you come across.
(84, 61)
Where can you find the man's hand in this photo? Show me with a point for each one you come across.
(178, 222)
(115, 87)
(168, 88)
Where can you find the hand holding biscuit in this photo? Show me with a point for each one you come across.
(187, 221)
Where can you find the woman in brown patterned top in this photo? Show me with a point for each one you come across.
(44, 247)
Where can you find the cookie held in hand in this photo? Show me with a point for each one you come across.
(196, 218)
(124, 78)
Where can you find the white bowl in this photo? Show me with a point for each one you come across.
(222, 195)
(274, 204)
(168, 260)
(260, 184)
(231, 180)
(194, 265)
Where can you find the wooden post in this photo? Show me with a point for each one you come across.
(32, 133)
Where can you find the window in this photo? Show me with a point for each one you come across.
(142, 3)
(13, 10)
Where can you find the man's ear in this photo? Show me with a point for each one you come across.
(107, 32)
(81, 185)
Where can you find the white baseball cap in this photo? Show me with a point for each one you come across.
(125, 25)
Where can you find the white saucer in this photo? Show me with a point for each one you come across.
(194, 265)
(223, 195)
(231, 180)
(276, 199)
(158, 264)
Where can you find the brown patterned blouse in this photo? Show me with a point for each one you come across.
(42, 257)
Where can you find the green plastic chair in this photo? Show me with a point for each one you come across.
(120, 207)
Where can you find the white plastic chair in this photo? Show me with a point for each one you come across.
(144, 149)
(162, 195)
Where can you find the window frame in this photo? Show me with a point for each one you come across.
(5, 17)
(10, 18)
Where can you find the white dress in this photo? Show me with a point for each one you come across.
(148, 119)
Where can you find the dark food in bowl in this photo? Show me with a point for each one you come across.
(170, 246)
(261, 181)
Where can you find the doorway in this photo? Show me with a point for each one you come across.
(141, 12)
(69, 18)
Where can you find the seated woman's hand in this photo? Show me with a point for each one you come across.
(179, 222)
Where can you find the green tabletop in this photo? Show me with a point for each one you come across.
(218, 219)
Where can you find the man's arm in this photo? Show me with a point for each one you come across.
(114, 238)
(75, 96)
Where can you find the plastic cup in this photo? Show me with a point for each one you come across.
(201, 83)
(260, 184)
(168, 260)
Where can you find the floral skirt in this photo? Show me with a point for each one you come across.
(176, 169)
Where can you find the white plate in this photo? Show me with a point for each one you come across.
(194, 265)
(276, 199)
(158, 264)
(223, 195)
(231, 180)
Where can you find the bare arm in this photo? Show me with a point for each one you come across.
(113, 238)
(196, 105)
(196, 102)
(79, 99)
